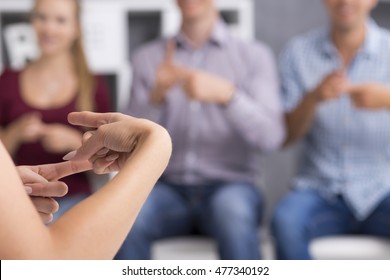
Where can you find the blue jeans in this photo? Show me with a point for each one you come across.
(304, 215)
(230, 213)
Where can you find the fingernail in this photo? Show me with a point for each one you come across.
(102, 152)
(69, 156)
(28, 190)
(102, 122)
(112, 157)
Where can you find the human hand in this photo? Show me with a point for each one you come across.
(114, 141)
(42, 186)
(167, 74)
(371, 96)
(331, 87)
(205, 87)
(59, 138)
(27, 128)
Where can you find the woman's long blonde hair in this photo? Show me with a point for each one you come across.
(86, 80)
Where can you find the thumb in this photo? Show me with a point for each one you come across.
(183, 73)
(92, 143)
(352, 89)
(170, 50)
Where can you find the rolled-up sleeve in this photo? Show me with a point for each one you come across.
(256, 111)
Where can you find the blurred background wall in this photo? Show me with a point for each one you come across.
(277, 21)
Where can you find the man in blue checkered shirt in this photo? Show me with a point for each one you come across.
(336, 92)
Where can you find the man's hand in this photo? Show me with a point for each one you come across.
(167, 74)
(198, 85)
(371, 96)
(331, 87)
(205, 87)
(41, 184)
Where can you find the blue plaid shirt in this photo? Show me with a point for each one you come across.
(347, 150)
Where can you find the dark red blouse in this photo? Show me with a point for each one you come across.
(12, 106)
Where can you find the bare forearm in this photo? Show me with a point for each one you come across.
(115, 207)
(299, 121)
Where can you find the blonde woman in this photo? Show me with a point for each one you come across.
(35, 102)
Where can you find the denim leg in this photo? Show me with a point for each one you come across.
(304, 215)
(232, 216)
(164, 214)
(378, 223)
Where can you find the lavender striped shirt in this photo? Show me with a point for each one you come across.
(212, 143)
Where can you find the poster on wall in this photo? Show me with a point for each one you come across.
(19, 41)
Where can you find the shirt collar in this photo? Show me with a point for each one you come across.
(219, 35)
(370, 47)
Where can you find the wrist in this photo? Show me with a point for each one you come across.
(387, 97)
(157, 96)
(314, 97)
(147, 133)
(228, 95)
(144, 127)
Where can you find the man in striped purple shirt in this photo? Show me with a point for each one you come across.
(336, 94)
(218, 97)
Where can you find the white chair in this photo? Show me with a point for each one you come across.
(200, 248)
(185, 248)
(350, 247)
